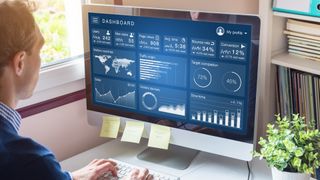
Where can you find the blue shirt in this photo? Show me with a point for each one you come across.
(23, 158)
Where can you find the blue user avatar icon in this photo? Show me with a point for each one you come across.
(220, 31)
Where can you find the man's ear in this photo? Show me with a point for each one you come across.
(19, 62)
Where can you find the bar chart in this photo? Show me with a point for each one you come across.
(228, 119)
(214, 110)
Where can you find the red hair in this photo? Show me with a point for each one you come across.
(17, 29)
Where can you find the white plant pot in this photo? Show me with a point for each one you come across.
(283, 175)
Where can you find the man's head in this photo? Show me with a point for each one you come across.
(20, 46)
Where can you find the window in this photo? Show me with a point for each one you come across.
(60, 22)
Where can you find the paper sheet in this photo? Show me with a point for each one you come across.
(133, 131)
(110, 126)
(159, 136)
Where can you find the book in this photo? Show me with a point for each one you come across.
(300, 93)
(277, 94)
(311, 111)
(302, 44)
(303, 49)
(317, 100)
(281, 90)
(304, 54)
(295, 95)
(294, 92)
(303, 95)
(303, 35)
(289, 82)
(311, 28)
(305, 40)
(285, 91)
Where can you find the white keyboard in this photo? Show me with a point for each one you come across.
(124, 169)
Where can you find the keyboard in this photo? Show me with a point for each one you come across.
(124, 169)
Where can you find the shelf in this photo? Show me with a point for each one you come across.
(297, 16)
(297, 63)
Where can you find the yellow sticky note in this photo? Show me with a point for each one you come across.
(133, 131)
(110, 126)
(159, 136)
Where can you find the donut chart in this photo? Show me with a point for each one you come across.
(149, 101)
(232, 81)
(202, 77)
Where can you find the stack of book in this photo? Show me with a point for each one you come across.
(303, 39)
(298, 92)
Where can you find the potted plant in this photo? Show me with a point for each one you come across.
(291, 148)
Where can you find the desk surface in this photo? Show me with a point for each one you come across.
(204, 166)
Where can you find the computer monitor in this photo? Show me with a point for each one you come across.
(193, 71)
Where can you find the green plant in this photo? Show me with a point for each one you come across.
(291, 145)
(52, 23)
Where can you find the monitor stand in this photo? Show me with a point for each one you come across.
(176, 157)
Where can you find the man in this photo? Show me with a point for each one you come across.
(23, 158)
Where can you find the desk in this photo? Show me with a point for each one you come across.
(205, 166)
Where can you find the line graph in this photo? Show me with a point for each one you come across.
(115, 92)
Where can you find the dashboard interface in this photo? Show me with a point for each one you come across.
(194, 71)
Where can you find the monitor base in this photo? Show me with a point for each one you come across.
(176, 157)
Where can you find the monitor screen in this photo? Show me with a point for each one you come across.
(195, 71)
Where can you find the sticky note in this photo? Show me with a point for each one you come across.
(110, 126)
(159, 136)
(133, 131)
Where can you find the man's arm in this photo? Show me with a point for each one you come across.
(44, 167)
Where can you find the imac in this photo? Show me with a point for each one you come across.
(193, 71)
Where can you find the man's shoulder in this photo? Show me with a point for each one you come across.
(26, 158)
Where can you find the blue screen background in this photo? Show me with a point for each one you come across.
(187, 71)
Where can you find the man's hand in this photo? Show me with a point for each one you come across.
(139, 174)
(95, 169)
